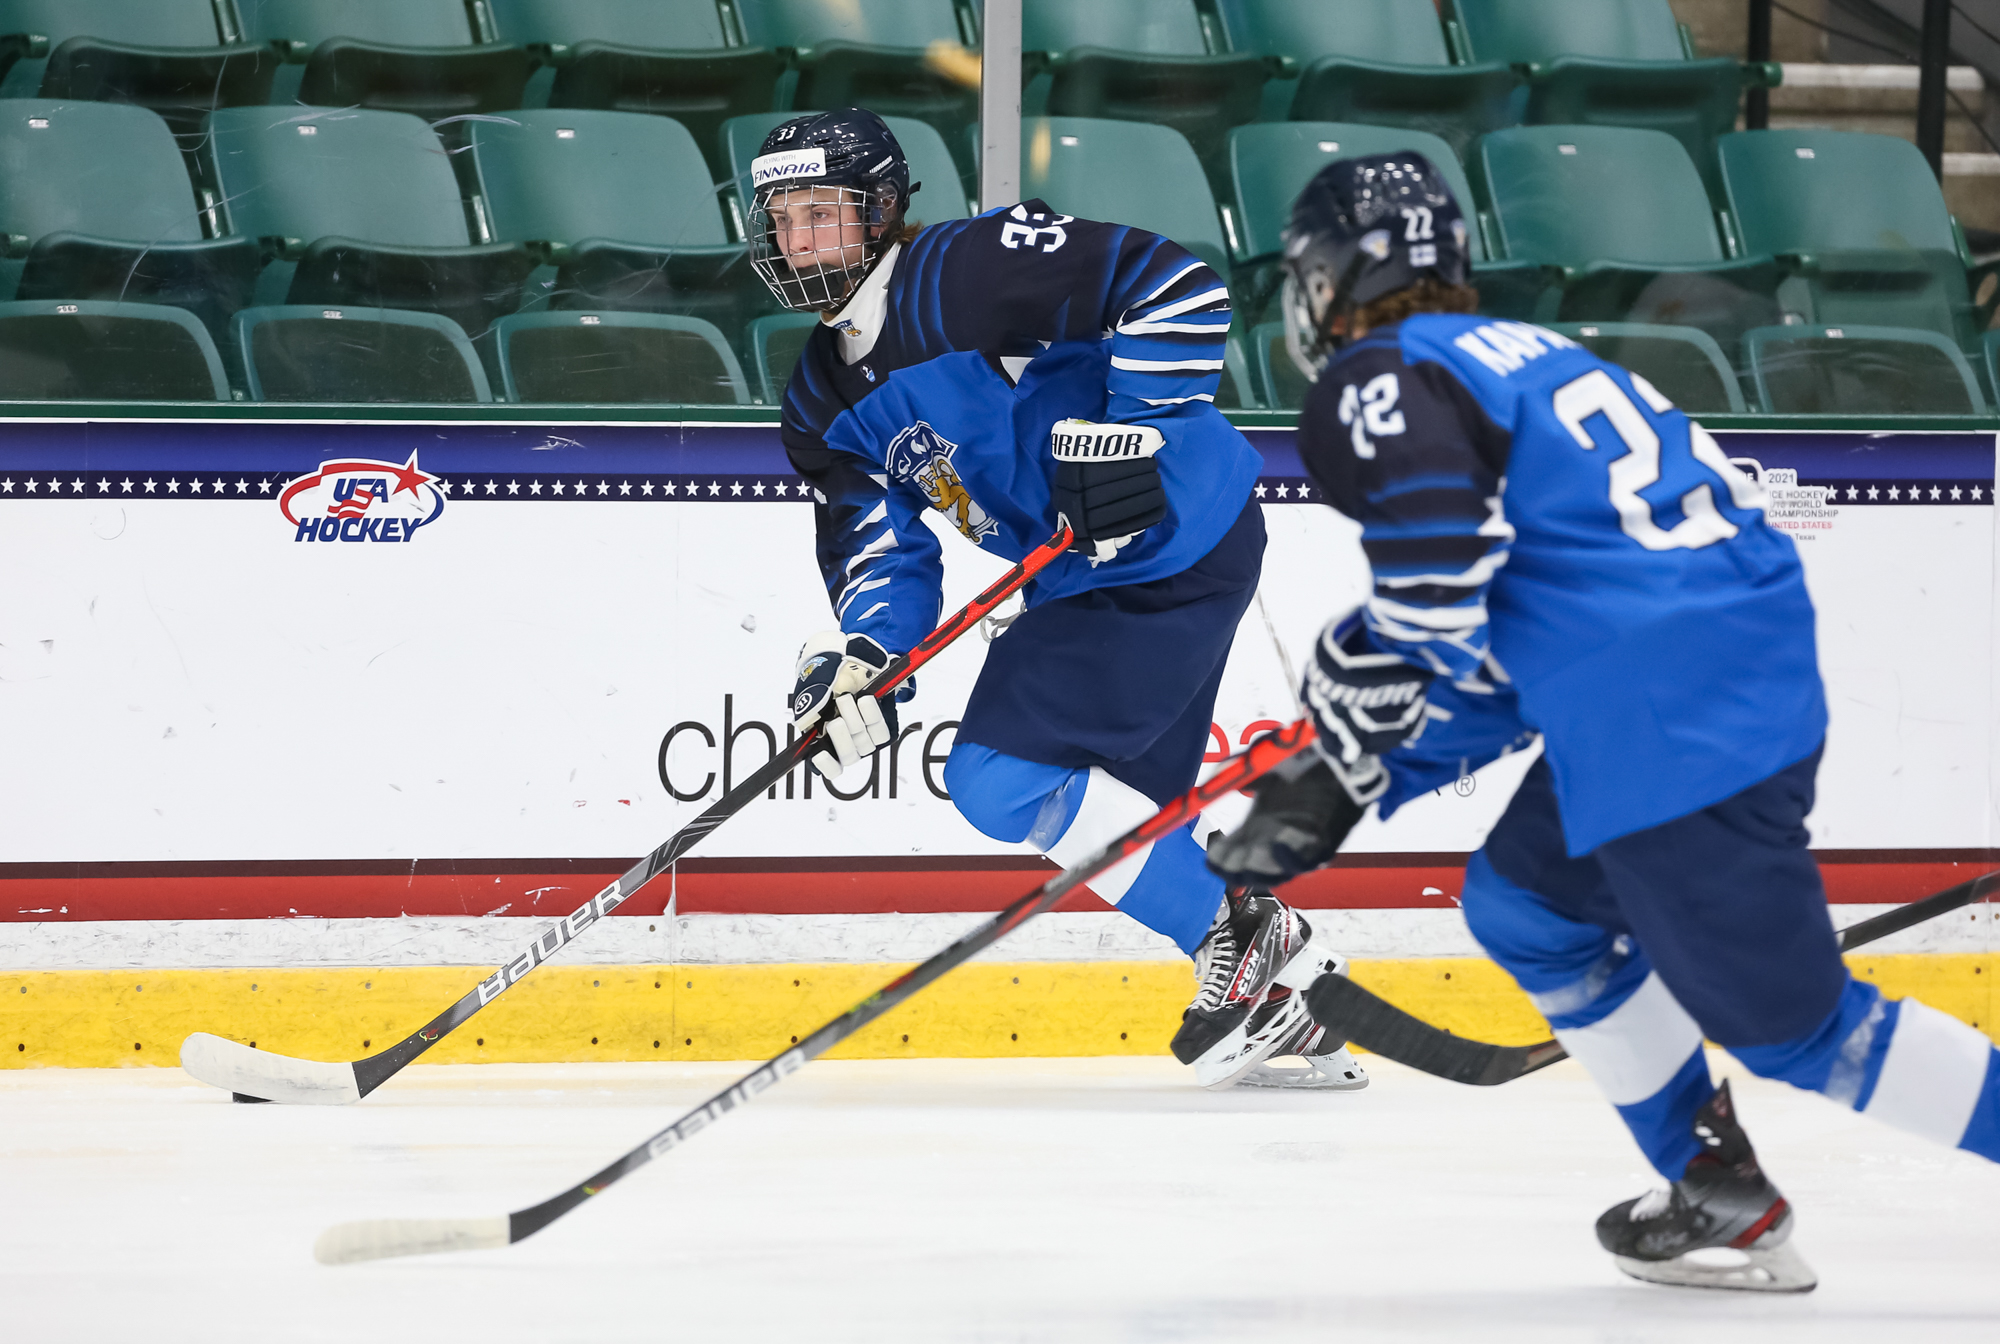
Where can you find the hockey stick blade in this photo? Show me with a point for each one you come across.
(1346, 1009)
(387, 1238)
(265, 1075)
(377, 1239)
(1377, 1025)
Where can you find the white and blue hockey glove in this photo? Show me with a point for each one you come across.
(833, 667)
(1362, 703)
(1107, 485)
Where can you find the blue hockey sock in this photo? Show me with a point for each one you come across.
(1663, 1124)
(1069, 814)
(1899, 1061)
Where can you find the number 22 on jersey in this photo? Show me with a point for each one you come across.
(1701, 524)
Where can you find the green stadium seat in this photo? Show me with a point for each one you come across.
(633, 188)
(1382, 62)
(1613, 63)
(408, 23)
(1237, 388)
(874, 55)
(565, 174)
(1139, 60)
(1861, 222)
(1860, 370)
(1989, 358)
(313, 353)
(96, 197)
(1280, 384)
(1684, 364)
(931, 165)
(1623, 213)
(390, 55)
(658, 25)
(169, 56)
(79, 350)
(606, 358)
(1271, 162)
(664, 59)
(367, 205)
(775, 343)
(1123, 172)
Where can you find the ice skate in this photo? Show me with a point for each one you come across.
(1241, 1014)
(1722, 1225)
(1307, 1059)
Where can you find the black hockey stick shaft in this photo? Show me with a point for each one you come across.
(1378, 1025)
(371, 1072)
(376, 1240)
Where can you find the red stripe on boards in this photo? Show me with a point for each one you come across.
(352, 889)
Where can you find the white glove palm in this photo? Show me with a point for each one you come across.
(833, 670)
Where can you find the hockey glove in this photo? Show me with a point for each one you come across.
(1303, 813)
(1107, 485)
(1362, 703)
(833, 667)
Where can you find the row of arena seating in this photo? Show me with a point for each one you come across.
(601, 212)
(1201, 67)
(96, 351)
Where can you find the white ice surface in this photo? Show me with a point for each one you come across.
(942, 1200)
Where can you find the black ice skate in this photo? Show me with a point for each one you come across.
(1722, 1225)
(1240, 1014)
(1323, 1063)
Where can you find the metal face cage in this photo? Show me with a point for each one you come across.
(813, 244)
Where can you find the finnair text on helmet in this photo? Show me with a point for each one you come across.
(787, 165)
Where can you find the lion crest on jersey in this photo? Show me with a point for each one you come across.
(922, 456)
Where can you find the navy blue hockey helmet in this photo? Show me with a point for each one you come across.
(1362, 228)
(830, 190)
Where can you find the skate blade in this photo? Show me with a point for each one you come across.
(1223, 1064)
(1323, 1073)
(1779, 1270)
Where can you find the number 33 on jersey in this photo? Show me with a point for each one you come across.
(1548, 529)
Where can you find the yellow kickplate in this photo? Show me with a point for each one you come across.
(100, 1019)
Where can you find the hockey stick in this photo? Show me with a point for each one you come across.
(377, 1239)
(1345, 1007)
(262, 1075)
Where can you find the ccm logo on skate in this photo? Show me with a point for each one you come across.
(360, 499)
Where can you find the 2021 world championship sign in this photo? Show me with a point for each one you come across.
(369, 698)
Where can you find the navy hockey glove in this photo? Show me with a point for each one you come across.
(833, 667)
(1362, 703)
(1303, 813)
(1107, 485)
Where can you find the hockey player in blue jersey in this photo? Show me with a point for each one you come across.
(1009, 371)
(1558, 551)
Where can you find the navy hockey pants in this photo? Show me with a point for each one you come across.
(1714, 924)
(1093, 710)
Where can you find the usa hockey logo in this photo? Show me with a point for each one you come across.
(361, 500)
(922, 456)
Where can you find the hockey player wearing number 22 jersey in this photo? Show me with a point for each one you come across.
(1012, 372)
(1557, 550)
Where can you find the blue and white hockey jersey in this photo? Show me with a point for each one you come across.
(1572, 556)
(940, 381)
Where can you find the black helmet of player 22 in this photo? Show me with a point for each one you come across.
(831, 189)
(1362, 228)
